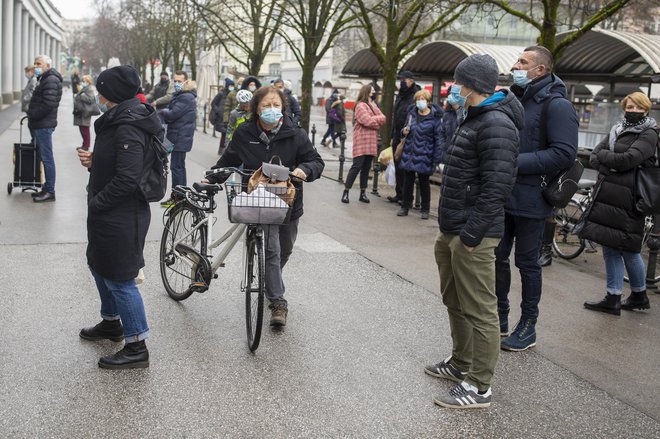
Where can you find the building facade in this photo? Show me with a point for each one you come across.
(28, 28)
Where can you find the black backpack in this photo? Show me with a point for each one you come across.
(153, 183)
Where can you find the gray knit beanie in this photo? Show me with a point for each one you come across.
(478, 72)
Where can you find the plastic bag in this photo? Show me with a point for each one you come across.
(390, 174)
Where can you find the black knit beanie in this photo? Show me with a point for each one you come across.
(118, 83)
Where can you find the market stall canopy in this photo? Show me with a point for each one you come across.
(439, 59)
(610, 56)
(363, 64)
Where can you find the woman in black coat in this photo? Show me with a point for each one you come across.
(266, 134)
(118, 214)
(612, 220)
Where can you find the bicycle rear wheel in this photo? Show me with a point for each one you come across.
(178, 272)
(255, 275)
(566, 244)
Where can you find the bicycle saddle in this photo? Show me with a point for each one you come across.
(207, 187)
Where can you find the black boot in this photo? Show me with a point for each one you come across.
(132, 356)
(344, 197)
(503, 314)
(363, 196)
(106, 330)
(611, 304)
(637, 300)
(546, 255)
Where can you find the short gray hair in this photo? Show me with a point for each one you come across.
(45, 58)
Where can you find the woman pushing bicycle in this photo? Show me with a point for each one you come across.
(266, 134)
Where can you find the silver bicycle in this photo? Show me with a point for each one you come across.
(190, 256)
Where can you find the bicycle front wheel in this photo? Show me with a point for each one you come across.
(566, 244)
(255, 275)
(177, 271)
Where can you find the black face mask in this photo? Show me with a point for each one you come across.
(163, 81)
(403, 85)
(373, 96)
(634, 117)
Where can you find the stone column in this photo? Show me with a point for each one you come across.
(25, 40)
(1, 53)
(18, 47)
(7, 51)
(32, 46)
(56, 59)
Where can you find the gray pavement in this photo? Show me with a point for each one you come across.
(365, 317)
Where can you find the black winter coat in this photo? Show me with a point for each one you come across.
(480, 171)
(181, 117)
(292, 107)
(42, 112)
(118, 216)
(404, 100)
(612, 221)
(449, 124)
(291, 144)
(562, 125)
(217, 111)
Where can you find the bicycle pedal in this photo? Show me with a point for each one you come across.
(199, 287)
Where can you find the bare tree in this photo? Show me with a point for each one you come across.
(244, 29)
(315, 23)
(407, 24)
(547, 18)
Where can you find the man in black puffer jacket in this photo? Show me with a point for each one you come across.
(478, 176)
(42, 120)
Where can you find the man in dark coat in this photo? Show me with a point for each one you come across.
(292, 105)
(526, 209)
(217, 112)
(405, 98)
(42, 120)
(118, 214)
(180, 118)
(478, 176)
(161, 95)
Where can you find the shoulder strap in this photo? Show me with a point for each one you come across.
(543, 128)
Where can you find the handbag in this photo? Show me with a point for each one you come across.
(647, 188)
(559, 191)
(561, 188)
(275, 179)
(398, 152)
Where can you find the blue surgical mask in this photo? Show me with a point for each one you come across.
(421, 105)
(456, 95)
(102, 107)
(520, 78)
(38, 72)
(270, 116)
(451, 99)
(231, 88)
(178, 86)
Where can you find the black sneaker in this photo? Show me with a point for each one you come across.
(445, 370)
(131, 356)
(465, 396)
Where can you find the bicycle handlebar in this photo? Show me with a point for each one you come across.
(226, 172)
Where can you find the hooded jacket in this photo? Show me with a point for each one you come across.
(562, 124)
(422, 148)
(118, 216)
(42, 112)
(247, 80)
(480, 171)
(181, 117)
(291, 143)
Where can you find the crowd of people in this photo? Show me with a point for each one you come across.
(496, 147)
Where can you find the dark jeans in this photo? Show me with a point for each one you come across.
(528, 234)
(279, 245)
(329, 133)
(409, 189)
(44, 139)
(178, 167)
(361, 165)
(400, 177)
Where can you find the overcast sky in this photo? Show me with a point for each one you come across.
(74, 9)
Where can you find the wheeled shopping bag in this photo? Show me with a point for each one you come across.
(27, 165)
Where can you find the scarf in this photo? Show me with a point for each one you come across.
(626, 127)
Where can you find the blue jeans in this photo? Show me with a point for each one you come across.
(279, 245)
(178, 167)
(614, 262)
(121, 299)
(528, 236)
(44, 139)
